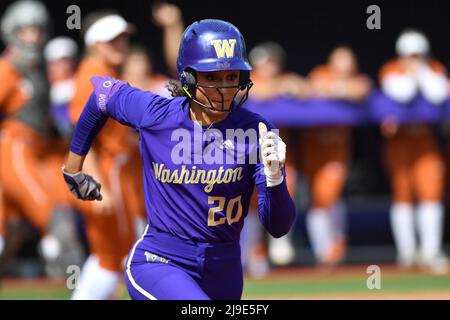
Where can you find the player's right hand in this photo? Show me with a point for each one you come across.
(83, 186)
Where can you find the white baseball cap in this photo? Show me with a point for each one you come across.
(106, 29)
(60, 47)
(412, 42)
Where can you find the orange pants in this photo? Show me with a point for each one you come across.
(30, 175)
(22, 176)
(415, 165)
(325, 154)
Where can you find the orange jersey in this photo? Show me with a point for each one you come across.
(114, 137)
(321, 78)
(395, 66)
(23, 152)
(278, 85)
(348, 85)
(322, 72)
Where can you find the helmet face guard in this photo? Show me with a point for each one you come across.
(234, 104)
(242, 89)
(213, 45)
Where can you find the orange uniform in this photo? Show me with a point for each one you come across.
(325, 155)
(31, 182)
(325, 159)
(394, 66)
(411, 155)
(111, 233)
(22, 151)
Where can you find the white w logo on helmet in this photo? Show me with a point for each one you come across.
(224, 47)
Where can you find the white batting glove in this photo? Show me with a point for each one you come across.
(83, 186)
(273, 155)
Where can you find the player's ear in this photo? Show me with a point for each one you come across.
(188, 77)
(244, 77)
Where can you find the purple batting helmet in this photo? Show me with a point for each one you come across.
(213, 45)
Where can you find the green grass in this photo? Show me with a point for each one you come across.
(348, 285)
(41, 293)
(285, 287)
(55, 294)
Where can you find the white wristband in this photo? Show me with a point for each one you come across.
(274, 180)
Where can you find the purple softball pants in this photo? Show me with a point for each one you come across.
(161, 266)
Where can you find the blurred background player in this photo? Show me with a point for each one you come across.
(109, 223)
(268, 60)
(138, 68)
(169, 18)
(60, 55)
(412, 156)
(61, 58)
(271, 81)
(26, 130)
(138, 71)
(325, 155)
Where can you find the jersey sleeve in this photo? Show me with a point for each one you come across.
(118, 100)
(136, 108)
(128, 105)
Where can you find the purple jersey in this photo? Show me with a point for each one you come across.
(195, 187)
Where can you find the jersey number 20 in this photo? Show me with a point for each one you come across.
(230, 208)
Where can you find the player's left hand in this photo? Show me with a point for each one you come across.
(273, 155)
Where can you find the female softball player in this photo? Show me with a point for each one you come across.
(202, 156)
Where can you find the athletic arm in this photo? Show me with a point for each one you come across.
(275, 206)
